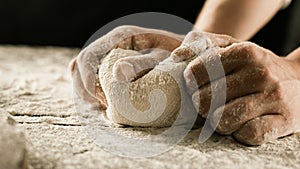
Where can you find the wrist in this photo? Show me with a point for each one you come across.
(294, 58)
(295, 55)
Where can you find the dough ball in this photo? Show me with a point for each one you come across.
(153, 100)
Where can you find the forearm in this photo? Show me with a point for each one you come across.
(295, 55)
(238, 18)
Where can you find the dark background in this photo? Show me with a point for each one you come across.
(71, 23)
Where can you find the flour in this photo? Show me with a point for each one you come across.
(12, 144)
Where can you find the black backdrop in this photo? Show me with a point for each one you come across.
(71, 23)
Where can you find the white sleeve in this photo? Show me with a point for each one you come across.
(286, 4)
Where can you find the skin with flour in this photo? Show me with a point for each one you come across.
(263, 90)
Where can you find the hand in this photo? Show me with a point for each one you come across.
(148, 41)
(263, 92)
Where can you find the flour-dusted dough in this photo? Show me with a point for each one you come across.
(154, 100)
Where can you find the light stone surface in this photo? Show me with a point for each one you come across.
(35, 88)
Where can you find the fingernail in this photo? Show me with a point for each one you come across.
(124, 71)
(181, 53)
(175, 57)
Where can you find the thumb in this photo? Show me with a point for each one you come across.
(129, 68)
(197, 42)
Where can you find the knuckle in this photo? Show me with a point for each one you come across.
(257, 54)
(182, 52)
(250, 134)
(192, 35)
(123, 28)
(195, 36)
(198, 42)
(248, 51)
(277, 91)
(264, 74)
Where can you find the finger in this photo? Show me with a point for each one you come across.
(72, 65)
(263, 129)
(241, 83)
(129, 68)
(237, 112)
(197, 42)
(214, 63)
(87, 65)
(193, 44)
(79, 89)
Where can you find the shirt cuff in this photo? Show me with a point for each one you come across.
(286, 4)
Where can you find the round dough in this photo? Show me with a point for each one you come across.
(153, 100)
